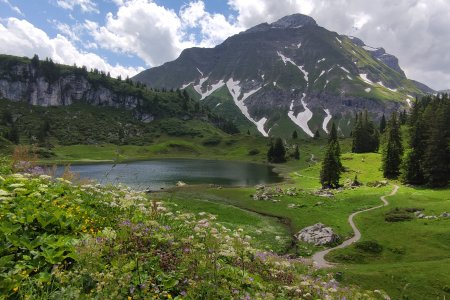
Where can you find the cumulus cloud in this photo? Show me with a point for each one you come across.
(143, 28)
(85, 5)
(23, 39)
(157, 34)
(416, 31)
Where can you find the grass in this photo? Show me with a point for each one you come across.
(415, 257)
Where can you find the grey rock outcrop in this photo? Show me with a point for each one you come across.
(22, 83)
(317, 234)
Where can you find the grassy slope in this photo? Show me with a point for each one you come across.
(421, 272)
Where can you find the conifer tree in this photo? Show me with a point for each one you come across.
(436, 159)
(13, 135)
(317, 134)
(331, 167)
(412, 170)
(366, 137)
(382, 124)
(279, 152)
(296, 154)
(331, 164)
(333, 137)
(295, 135)
(393, 149)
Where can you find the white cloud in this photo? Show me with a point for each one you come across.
(157, 34)
(251, 13)
(19, 37)
(12, 7)
(85, 5)
(143, 28)
(416, 31)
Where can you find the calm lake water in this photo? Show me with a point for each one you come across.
(157, 174)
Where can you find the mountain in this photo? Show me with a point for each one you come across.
(58, 104)
(290, 74)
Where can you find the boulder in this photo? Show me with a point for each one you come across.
(317, 234)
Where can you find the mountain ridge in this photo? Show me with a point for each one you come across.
(287, 75)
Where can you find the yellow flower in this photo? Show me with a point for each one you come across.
(129, 298)
(169, 296)
(15, 289)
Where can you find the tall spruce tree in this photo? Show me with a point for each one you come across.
(279, 152)
(382, 124)
(412, 170)
(331, 167)
(366, 137)
(331, 164)
(436, 159)
(333, 137)
(296, 154)
(392, 149)
(294, 135)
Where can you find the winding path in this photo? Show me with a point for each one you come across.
(319, 258)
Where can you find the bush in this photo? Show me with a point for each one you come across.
(253, 152)
(212, 141)
(369, 246)
(398, 215)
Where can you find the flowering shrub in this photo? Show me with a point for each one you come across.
(65, 241)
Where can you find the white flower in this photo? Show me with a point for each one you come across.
(4, 193)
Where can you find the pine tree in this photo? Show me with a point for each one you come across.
(13, 134)
(393, 149)
(294, 135)
(436, 159)
(270, 152)
(317, 134)
(331, 167)
(382, 124)
(412, 170)
(296, 154)
(279, 152)
(334, 138)
(366, 137)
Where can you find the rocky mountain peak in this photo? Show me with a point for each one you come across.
(294, 21)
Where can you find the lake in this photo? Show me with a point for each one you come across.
(164, 173)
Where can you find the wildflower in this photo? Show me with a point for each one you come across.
(15, 289)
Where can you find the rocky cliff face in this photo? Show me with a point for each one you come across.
(288, 75)
(22, 82)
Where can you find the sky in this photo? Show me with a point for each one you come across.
(125, 37)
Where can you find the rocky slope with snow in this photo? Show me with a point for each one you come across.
(287, 75)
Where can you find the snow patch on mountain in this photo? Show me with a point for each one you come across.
(368, 90)
(186, 85)
(392, 90)
(301, 68)
(326, 120)
(368, 48)
(212, 89)
(321, 60)
(338, 40)
(198, 87)
(365, 79)
(201, 73)
(345, 70)
(299, 45)
(321, 73)
(302, 118)
(349, 77)
(235, 91)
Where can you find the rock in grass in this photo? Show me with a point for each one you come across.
(317, 234)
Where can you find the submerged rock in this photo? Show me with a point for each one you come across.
(317, 234)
